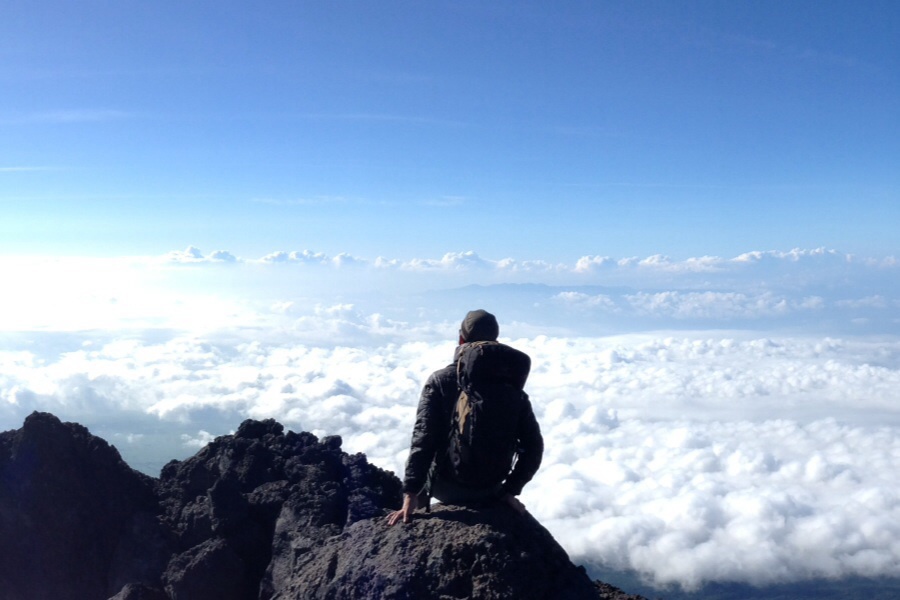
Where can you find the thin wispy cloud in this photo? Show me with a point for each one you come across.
(67, 116)
(445, 201)
(651, 185)
(382, 118)
(311, 201)
(767, 47)
(26, 169)
(585, 131)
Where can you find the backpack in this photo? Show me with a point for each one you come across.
(483, 424)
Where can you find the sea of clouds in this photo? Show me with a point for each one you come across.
(706, 420)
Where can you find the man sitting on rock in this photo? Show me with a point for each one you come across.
(478, 446)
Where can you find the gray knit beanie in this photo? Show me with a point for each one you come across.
(479, 326)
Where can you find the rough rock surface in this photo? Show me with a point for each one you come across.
(490, 553)
(261, 514)
(245, 504)
(72, 514)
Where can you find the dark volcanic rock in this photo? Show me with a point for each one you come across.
(261, 514)
(75, 521)
(606, 591)
(488, 553)
(247, 503)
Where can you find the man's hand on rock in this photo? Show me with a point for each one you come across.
(410, 503)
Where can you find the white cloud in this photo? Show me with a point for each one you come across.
(688, 457)
(276, 257)
(657, 260)
(587, 264)
(190, 289)
(386, 263)
(752, 271)
(716, 305)
(195, 255)
(527, 266)
(450, 260)
(222, 256)
(794, 256)
(189, 254)
(198, 441)
(308, 256)
(346, 260)
(753, 502)
(590, 301)
(304, 256)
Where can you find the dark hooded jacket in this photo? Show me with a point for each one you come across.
(432, 429)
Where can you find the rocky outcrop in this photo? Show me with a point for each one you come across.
(262, 513)
(72, 514)
(247, 504)
(491, 553)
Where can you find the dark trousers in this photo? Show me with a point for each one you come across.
(448, 491)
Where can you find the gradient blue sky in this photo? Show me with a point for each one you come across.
(735, 404)
(528, 129)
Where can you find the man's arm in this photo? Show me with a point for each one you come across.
(531, 451)
(425, 436)
(422, 448)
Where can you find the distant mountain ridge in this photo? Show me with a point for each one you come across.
(264, 514)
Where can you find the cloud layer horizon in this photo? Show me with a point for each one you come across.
(706, 420)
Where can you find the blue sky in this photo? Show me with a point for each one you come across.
(685, 212)
(532, 130)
